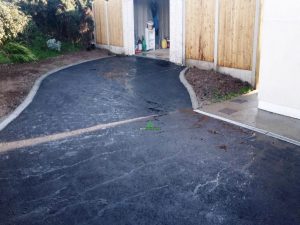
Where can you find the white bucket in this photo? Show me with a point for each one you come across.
(150, 25)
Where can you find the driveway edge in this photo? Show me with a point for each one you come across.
(255, 129)
(12, 116)
(196, 108)
(189, 88)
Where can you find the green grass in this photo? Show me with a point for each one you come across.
(41, 51)
(217, 97)
(3, 58)
(37, 50)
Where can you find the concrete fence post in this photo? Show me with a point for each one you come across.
(216, 40)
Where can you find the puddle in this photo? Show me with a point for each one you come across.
(155, 110)
(163, 63)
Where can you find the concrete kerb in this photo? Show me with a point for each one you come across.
(12, 116)
(190, 89)
(255, 129)
(196, 108)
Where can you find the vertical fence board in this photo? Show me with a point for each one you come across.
(115, 19)
(100, 22)
(236, 28)
(115, 22)
(259, 46)
(199, 27)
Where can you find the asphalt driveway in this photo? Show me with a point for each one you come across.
(114, 142)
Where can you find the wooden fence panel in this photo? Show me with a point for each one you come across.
(115, 18)
(115, 22)
(236, 29)
(200, 29)
(100, 22)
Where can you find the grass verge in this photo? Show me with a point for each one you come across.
(21, 52)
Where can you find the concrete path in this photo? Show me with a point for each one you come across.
(114, 141)
(244, 110)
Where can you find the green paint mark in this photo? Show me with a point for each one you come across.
(150, 127)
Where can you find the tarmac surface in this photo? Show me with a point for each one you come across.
(115, 142)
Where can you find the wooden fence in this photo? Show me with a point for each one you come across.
(200, 29)
(234, 26)
(114, 31)
(219, 34)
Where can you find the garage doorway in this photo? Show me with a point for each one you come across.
(152, 41)
(176, 29)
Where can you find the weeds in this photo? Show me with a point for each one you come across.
(35, 50)
(219, 97)
(39, 47)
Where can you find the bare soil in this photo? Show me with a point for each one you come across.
(16, 80)
(211, 86)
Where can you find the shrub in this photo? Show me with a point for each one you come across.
(18, 53)
(68, 23)
(12, 21)
(30, 32)
(59, 19)
(3, 58)
(54, 45)
(2, 34)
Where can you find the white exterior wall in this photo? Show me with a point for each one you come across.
(128, 26)
(280, 58)
(177, 42)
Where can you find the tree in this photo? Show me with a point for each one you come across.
(12, 21)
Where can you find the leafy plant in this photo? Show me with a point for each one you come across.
(26, 25)
(3, 58)
(18, 53)
(30, 33)
(12, 21)
(59, 19)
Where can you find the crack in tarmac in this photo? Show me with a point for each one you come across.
(214, 181)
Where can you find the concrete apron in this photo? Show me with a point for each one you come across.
(243, 111)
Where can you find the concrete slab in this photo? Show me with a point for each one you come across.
(227, 111)
(244, 110)
(163, 54)
(240, 101)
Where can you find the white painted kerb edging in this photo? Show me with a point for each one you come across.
(255, 129)
(189, 88)
(33, 92)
